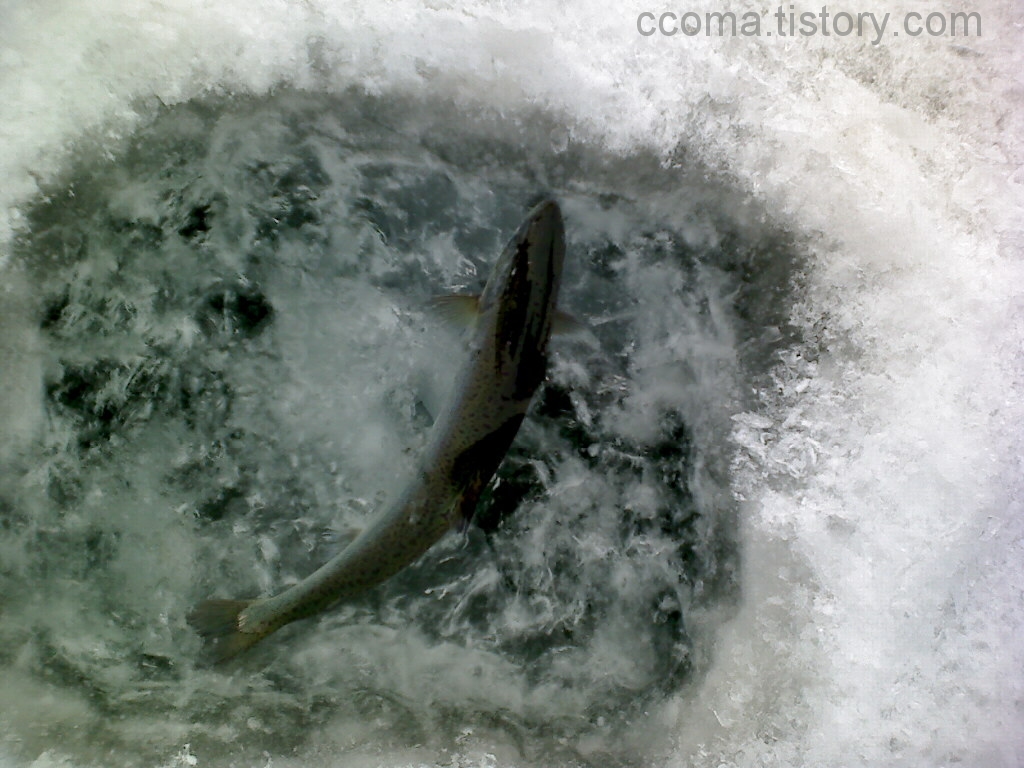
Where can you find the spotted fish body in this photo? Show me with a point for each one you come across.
(505, 366)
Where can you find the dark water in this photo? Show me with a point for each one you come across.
(238, 369)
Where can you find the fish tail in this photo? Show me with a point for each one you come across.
(217, 622)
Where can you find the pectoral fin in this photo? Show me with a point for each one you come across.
(564, 324)
(458, 311)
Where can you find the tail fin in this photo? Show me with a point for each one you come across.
(216, 621)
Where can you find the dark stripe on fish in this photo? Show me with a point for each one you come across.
(475, 466)
(482, 458)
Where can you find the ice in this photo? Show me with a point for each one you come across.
(804, 258)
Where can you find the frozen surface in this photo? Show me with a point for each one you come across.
(772, 517)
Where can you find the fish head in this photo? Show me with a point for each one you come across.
(517, 306)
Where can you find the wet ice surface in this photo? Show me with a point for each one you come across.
(239, 369)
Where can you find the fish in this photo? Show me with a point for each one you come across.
(506, 363)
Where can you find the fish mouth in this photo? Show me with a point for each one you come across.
(546, 212)
(523, 291)
(538, 250)
(543, 226)
(530, 266)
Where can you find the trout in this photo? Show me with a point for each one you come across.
(506, 363)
